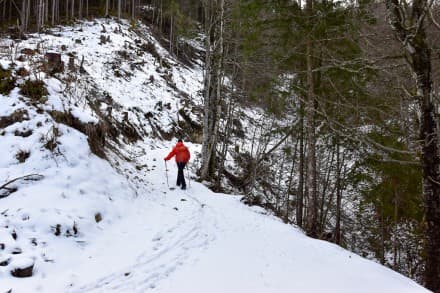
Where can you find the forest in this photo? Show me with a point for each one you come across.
(348, 146)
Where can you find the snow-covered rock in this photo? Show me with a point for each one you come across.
(22, 267)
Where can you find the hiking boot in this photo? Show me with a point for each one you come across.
(183, 187)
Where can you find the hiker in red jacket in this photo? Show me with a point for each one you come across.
(182, 157)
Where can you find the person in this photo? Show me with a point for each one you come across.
(182, 157)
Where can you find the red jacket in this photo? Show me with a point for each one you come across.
(181, 152)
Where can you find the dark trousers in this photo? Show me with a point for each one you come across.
(180, 176)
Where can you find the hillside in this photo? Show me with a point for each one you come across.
(95, 213)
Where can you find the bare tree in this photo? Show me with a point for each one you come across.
(214, 28)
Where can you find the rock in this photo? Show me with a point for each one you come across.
(103, 40)
(4, 261)
(22, 267)
(98, 217)
(24, 133)
(75, 228)
(57, 230)
(34, 242)
(16, 250)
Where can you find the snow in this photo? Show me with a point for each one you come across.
(21, 263)
(198, 241)
(150, 238)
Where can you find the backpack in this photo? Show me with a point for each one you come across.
(182, 154)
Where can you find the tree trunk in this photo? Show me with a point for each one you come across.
(46, 11)
(67, 9)
(395, 240)
(73, 9)
(214, 11)
(418, 54)
(119, 9)
(300, 200)
(382, 231)
(289, 192)
(52, 17)
(80, 9)
(338, 196)
(23, 16)
(312, 209)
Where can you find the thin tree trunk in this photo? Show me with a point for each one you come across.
(4, 10)
(119, 9)
(323, 208)
(53, 12)
(311, 229)
(73, 9)
(133, 9)
(28, 14)
(207, 89)
(395, 242)
(382, 230)
(23, 16)
(80, 9)
(224, 149)
(46, 11)
(171, 33)
(300, 200)
(289, 186)
(338, 195)
(67, 9)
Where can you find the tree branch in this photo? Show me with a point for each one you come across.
(434, 21)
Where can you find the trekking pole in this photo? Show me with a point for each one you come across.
(189, 178)
(166, 173)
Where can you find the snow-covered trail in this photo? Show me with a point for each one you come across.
(162, 231)
(197, 241)
(145, 247)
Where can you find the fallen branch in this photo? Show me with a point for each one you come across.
(9, 190)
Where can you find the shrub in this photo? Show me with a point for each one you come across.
(23, 72)
(7, 81)
(35, 90)
(50, 140)
(22, 155)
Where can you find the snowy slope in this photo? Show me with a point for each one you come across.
(198, 241)
(150, 239)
